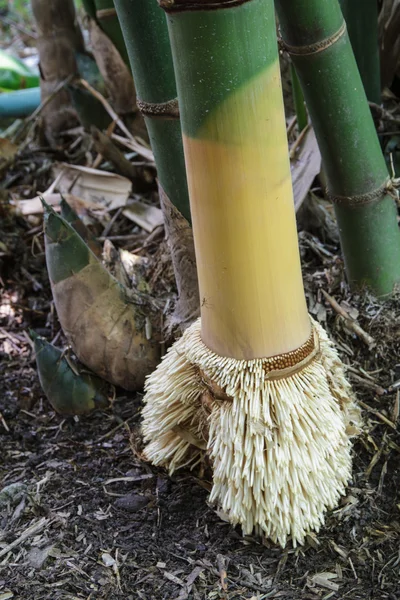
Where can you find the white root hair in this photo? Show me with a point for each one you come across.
(279, 444)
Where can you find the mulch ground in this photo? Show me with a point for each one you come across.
(86, 518)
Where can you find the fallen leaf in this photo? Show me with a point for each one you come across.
(146, 216)
(7, 150)
(34, 206)
(132, 502)
(305, 167)
(12, 494)
(107, 190)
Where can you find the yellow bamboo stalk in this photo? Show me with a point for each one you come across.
(252, 297)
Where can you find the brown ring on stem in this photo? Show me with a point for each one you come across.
(318, 46)
(165, 110)
(275, 367)
(361, 199)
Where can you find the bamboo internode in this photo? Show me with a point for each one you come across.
(315, 35)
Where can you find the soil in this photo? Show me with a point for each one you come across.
(87, 518)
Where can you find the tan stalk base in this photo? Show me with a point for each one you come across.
(280, 446)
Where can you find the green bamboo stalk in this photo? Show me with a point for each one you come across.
(298, 98)
(103, 11)
(315, 36)
(362, 24)
(146, 36)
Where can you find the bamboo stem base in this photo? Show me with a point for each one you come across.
(279, 441)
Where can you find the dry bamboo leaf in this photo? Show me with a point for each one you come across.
(7, 150)
(135, 145)
(107, 190)
(325, 580)
(34, 206)
(146, 216)
(305, 167)
(181, 245)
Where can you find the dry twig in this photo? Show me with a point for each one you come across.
(353, 325)
(29, 532)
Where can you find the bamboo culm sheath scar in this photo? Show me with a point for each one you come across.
(254, 384)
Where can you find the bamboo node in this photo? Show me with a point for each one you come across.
(181, 5)
(317, 46)
(165, 110)
(362, 199)
(283, 365)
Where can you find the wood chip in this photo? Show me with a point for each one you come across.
(29, 532)
(324, 580)
(351, 324)
(173, 578)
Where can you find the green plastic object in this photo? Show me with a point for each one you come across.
(69, 390)
(14, 74)
(20, 103)
(315, 34)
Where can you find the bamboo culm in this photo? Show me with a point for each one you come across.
(146, 36)
(362, 24)
(315, 36)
